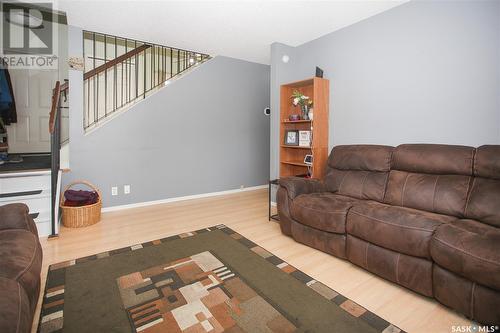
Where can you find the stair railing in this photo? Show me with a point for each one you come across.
(55, 147)
(121, 71)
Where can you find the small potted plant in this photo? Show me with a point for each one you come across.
(304, 101)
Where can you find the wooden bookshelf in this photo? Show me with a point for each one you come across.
(292, 157)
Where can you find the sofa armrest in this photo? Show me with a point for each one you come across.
(296, 186)
(16, 216)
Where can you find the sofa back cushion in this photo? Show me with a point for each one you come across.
(484, 199)
(434, 178)
(359, 171)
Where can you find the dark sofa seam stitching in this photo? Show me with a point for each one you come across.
(29, 265)
(403, 189)
(465, 252)
(343, 234)
(363, 185)
(393, 224)
(459, 227)
(322, 210)
(473, 166)
(366, 254)
(472, 299)
(385, 185)
(397, 267)
(434, 193)
(342, 181)
(19, 308)
(469, 193)
(469, 187)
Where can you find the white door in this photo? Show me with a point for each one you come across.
(33, 96)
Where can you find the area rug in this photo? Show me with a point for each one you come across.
(209, 280)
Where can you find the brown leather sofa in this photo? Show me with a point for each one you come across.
(20, 265)
(426, 217)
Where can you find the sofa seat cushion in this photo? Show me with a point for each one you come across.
(15, 314)
(400, 229)
(21, 260)
(323, 211)
(470, 249)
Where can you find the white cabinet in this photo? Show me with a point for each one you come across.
(32, 189)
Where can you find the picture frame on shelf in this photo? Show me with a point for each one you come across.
(291, 138)
(308, 159)
(304, 138)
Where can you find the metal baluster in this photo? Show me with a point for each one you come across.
(84, 88)
(88, 93)
(95, 115)
(105, 76)
(129, 75)
(88, 102)
(144, 91)
(121, 85)
(153, 84)
(125, 69)
(151, 75)
(136, 73)
(115, 91)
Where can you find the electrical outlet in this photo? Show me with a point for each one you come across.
(242, 187)
(114, 190)
(126, 189)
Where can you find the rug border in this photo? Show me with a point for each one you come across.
(346, 304)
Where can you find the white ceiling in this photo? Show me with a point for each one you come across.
(239, 29)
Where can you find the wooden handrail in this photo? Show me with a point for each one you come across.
(64, 86)
(53, 109)
(115, 61)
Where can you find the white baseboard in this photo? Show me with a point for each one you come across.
(187, 197)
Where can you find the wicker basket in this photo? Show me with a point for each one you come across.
(83, 216)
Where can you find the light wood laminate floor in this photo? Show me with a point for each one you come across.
(246, 213)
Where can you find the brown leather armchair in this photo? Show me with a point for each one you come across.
(20, 266)
(426, 217)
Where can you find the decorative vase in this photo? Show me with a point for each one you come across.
(310, 114)
(305, 111)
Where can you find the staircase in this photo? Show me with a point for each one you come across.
(39, 189)
(120, 72)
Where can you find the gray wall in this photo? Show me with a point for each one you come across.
(205, 132)
(425, 71)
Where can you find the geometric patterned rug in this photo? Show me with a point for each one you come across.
(209, 280)
(195, 294)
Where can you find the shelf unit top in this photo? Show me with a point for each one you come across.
(301, 83)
